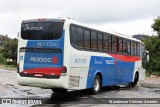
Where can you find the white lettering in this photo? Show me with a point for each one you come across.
(97, 62)
(109, 61)
(47, 44)
(40, 59)
(83, 61)
(32, 28)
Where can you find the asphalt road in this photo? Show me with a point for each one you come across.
(10, 89)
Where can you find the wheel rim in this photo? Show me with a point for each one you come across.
(96, 85)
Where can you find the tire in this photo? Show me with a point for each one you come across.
(96, 88)
(59, 91)
(136, 77)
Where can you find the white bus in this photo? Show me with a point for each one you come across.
(62, 54)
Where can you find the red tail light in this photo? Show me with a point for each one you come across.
(63, 69)
(42, 19)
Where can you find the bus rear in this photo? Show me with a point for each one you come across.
(40, 54)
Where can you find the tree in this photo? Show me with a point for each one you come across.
(2, 59)
(10, 49)
(152, 44)
(156, 25)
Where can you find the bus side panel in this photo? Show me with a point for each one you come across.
(78, 78)
(124, 72)
(103, 65)
(78, 72)
(114, 70)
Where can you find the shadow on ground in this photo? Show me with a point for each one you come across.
(79, 97)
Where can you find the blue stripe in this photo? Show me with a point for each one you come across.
(112, 73)
(52, 44)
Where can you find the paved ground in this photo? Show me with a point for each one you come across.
(149, 82)
(10, 89)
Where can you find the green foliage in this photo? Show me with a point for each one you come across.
(156, 25)
(10, 49)
(152, 44)
(2, 59)
(3, 39)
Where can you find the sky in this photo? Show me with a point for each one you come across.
(128, 17)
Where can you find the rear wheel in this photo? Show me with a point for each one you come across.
(96, 85)
(136, 77)
(59, 91)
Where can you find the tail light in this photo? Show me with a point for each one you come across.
(41, 19)
(63, 69)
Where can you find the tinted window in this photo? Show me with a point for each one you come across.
(142, 50)
(129, 47)
(79, 37)
(100, 37)
(76, 36)
(41, 30)
(106, 44)
(120, 45)
(86, 39)
(114, 44)
(132, 48)
(135, 47)
(125, 46)
(94, 40)
(138, 49)
(73, 36)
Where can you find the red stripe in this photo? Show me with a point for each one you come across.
(47, 71)
(126, 58)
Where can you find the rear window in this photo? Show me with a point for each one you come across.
(41, 30)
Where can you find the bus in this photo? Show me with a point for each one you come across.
(62, 54)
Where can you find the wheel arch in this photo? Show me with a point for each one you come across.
(99, 73)
(136, 72)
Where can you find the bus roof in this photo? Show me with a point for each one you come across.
(71, 21)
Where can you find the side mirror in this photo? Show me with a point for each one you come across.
(147, 56)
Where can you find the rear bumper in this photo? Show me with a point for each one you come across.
(44, 76)
(43, 82)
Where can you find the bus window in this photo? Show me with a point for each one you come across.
(132, 48)
(125, 46)
(110, 43)
(129, 47)
(114, 44)
(41, 30)
(138, 49)
(135, 47)
(77, 36)
(120, 45)
(86, 39)
(80, 37)
(142, 50)
(106, 44)
(73, 36)
(100, 37)
(93, 40)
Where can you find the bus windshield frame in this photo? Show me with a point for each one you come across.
(42, 30)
